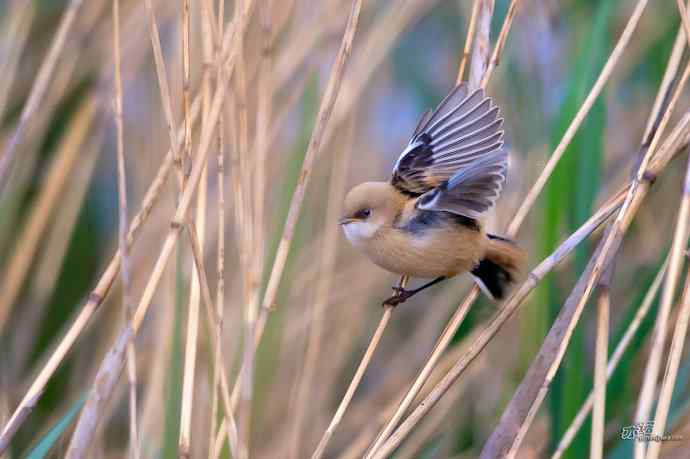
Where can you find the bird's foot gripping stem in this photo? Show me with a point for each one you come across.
(401, 295)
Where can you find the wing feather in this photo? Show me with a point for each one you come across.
(456, 159)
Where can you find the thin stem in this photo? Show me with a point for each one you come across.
(600, 357)
(122, 240)
(468, 41)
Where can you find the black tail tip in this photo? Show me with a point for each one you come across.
(494, 280)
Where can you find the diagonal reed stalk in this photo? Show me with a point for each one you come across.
(190, 353)
(601, 351)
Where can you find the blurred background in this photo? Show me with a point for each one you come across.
(59, 219)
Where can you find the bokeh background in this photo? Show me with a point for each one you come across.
(59, 220)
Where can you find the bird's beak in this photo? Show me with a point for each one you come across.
(345, 220)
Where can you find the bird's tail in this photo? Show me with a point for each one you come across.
(501, 267)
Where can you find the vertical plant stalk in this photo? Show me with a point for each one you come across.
(38, 90)
(220, 258)
(616, 357)
(600, 357)
(249, 260)
(184, 440)
(482, 45)
(500, 42)
(647, 393)
(164, 88)
(468, 41)
(213, 321)
(125, 273)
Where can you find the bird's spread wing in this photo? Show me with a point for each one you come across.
(456, 157)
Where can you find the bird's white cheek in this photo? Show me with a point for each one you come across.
(359, 232)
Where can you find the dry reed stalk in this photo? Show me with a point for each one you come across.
(38, 90)
(66, 155)
(647, 393)
(521, 410)
(363, 364)
(164, 88)
(16, 28)
(675, 354)
(468, 41)
(125, 272)
(323, 291)
(575, 124)
(213, 321)
(248, 259)
(435, 423)
(495, 323)
(191, 344)
(190, 353)
(616, 357)
(220, 259)
(500, 43)
(601, 351)
(482, 43)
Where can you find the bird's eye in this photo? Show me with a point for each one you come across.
(363, 214)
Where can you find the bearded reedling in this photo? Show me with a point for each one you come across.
(424, 222)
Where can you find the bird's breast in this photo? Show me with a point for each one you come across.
(439, 251)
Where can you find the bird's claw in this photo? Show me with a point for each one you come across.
(401, 295)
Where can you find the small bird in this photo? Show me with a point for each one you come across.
(425, 221)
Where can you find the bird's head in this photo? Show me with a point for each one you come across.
(369, 207)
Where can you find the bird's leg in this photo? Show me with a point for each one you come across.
(402, 294)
